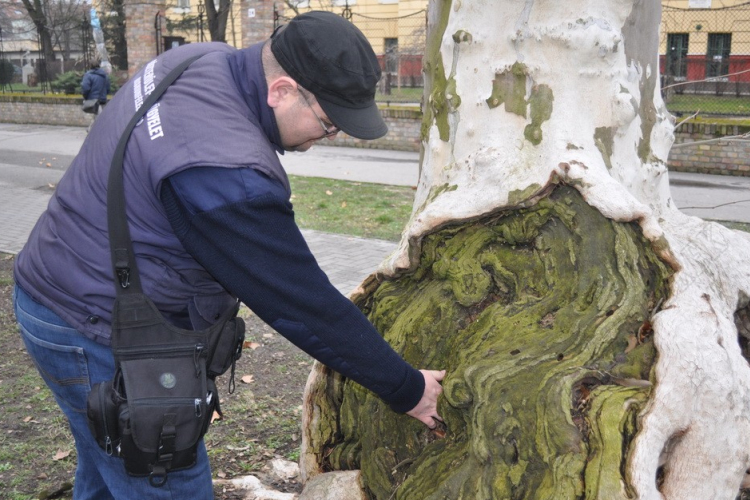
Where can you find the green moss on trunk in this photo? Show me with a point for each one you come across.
(436, 83)
(538, 317)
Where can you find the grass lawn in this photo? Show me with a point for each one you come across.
(739, 226)
(404, 94)
(353, 208)
(711, 104)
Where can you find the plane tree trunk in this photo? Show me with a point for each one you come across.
(595, 337)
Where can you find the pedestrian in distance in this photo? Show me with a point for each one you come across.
(95, 86)
(208, 210)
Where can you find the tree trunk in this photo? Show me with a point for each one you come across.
(594, 336)
(217, 19)
(38, 16)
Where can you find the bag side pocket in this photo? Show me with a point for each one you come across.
(102, 410)
(227, 347)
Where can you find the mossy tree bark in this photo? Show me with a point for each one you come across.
(593, 335)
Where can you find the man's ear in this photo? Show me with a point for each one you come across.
(281, 89)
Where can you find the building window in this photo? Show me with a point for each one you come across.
(677, 50)
(391, 55)
(183, 4)
(717, 60)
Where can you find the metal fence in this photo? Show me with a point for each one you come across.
(399, 44)
(704, 60)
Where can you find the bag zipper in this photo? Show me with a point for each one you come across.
(163, 351)
(107, 440)
(195, 402)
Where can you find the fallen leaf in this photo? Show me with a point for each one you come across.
(42, 476)
(51, 186)
(329, 193)
(49, 164)
(251, 345)
(61, 454)
(343, 204)
(216, 416)
(27, 419)
(267, 335)
(221, 474)
(247, 379)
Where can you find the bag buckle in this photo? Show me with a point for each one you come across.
(124, 276)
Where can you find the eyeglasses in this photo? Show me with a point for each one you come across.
(327, 132)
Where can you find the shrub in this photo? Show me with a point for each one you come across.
(68, 82)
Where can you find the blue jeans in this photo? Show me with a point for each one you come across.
(70, 364)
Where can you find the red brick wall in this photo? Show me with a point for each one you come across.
(259, 28)
(140, 32)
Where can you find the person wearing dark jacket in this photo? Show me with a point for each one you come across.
(207, 203)
(95, 84)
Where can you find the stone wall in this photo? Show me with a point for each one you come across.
(404, 124)
(43, 110)
(727, 157)
(403, 132)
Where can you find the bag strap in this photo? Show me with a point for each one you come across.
(127, 278)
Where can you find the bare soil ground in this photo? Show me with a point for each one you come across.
(261, 418)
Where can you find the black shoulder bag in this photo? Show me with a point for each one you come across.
(161, 400)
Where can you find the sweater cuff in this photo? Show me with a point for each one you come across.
(409, 394)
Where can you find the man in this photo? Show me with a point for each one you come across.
(95, 84)
(210, 219)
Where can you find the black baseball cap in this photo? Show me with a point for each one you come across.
(330, 57)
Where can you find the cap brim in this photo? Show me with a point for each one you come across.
(363, 123)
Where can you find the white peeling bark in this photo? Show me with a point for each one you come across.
(599, 59)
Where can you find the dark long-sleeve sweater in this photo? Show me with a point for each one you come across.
(239, 225)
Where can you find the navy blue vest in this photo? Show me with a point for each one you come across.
(203, 119)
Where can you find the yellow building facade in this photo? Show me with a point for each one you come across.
(706, 43)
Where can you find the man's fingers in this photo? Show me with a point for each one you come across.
(437, 374)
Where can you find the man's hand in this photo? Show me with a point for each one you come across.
(426, 409)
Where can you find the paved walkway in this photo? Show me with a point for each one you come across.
(33, 158)
(347, 260)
